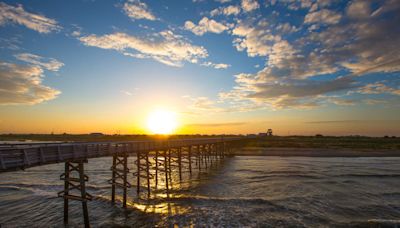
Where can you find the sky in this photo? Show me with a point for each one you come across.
(300, 67)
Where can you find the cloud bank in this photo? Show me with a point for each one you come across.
(22, 84)
(165, 47)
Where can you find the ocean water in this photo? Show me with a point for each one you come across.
(241, 191)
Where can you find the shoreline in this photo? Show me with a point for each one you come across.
(314, 152)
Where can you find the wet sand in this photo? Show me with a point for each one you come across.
(315, 152)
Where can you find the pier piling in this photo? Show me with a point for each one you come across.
(75, 182)
(120, 176)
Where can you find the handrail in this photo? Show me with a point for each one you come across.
(19, 157)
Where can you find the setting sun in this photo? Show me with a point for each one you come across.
(162, 122)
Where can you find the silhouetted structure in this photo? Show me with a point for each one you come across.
(269, 132)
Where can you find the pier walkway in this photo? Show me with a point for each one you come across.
(167, 156)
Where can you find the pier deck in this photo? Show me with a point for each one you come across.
(168, 156)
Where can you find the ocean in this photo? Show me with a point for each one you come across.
(241, 191)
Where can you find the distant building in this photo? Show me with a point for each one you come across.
(96, 134)
(251, 135)
(265, 134)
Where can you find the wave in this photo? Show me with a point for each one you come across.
(285, 176)
(372, 223)
(395, 194)
(369, 175)
(50, 186)
(45, 190)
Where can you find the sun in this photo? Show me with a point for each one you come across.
(162, 122)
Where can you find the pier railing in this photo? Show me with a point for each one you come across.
(21, 156)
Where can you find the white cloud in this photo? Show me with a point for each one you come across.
(306, 3)
(286, 28)
(205, 25)
(165, 47)
(341, 101)
(378, 88)
(12, 43)
(231, 10)
(47, 63)
(76, 33)
(374, 101)
(323, 16)
(37, 22)
(136, 9)
(359, 9)
(228, 10)
(206, 105)
(256, 40)
(250, 5)
(20, 84)
(216, 65)
(222, 1)
(295, 4)
(203, 104)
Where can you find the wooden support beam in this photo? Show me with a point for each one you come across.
(138, 174)
(66, 192)
(190, 159)
(2, 163)
(169, 165)
(180, 162)
(204, 152)
(83, 195)
(166, 170)
(114, 164)
(125, 176)
(156, 166)
(72, 183)
(143, 171)
(198, 157)
(210, 153)
(148, 173)
(119, 178)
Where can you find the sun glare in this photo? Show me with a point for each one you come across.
(162, 122)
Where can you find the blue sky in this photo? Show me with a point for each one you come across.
(301, 67)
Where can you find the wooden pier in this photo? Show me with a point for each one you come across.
(154, 158)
